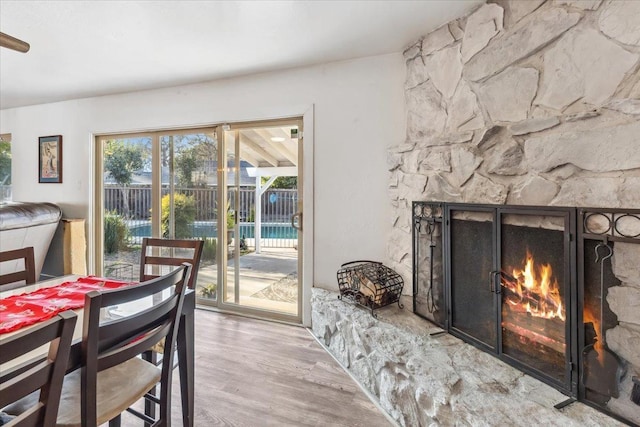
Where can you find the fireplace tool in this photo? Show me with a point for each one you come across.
(430, 229)
(602, 373)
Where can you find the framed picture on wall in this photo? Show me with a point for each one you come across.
(50, 159)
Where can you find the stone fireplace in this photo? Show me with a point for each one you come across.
(521, 103)
(525, 103)
(541, 288)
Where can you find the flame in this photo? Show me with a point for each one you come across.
(598, 346)
(537, 290)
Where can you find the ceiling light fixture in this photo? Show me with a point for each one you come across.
(277, 139)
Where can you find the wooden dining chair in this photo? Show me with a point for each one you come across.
(44, 375)
(112, 377)
(28, 274)
(159, 256)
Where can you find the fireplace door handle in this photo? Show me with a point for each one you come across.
(498, 286)
(492, 280)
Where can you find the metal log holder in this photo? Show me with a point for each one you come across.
(369, 284)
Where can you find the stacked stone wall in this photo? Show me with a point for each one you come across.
(522, 102)
(531, 102)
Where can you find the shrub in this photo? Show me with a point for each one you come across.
(185, 214)
(210, 248)
(208, 291)
(231, 219)
(116, 232)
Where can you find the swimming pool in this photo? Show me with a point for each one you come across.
(209, 229)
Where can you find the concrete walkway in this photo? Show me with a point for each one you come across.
(259, 274)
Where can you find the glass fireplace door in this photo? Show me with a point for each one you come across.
(535, 288)
(509, 285)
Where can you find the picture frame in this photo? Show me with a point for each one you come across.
(50, 159)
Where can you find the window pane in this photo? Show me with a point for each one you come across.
(189, 191)
(127, 204)
(5, 168)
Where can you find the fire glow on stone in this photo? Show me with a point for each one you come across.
(534, 289)
(599, 342)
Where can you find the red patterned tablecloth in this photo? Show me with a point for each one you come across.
(18, 311)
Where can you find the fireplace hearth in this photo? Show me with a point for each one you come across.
(530, 285)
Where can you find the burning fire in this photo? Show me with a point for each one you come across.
(536, 289)
(598, 345)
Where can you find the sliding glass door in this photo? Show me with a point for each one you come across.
(237, 187)
(188, 204)
(159, 184)
(126, 203)
(262, 181)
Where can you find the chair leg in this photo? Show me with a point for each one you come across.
(115, 422)
(149, 406)
(165, 405)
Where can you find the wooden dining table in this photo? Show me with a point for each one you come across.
(185, 343)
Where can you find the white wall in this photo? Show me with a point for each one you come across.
(359, 112)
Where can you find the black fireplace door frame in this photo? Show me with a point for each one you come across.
(612, 233)
(489, 282)
(485, 335)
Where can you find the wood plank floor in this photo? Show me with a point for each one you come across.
(256, 373)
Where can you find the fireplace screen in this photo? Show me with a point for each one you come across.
(549, 290)
(533, 295)
(509, 285)
(473, 302)
(608, 246)
(602, 369)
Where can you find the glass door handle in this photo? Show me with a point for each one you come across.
(296, 221)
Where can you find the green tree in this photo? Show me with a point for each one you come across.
(5, 163)
(184, 211)
(186, 164)
(283, 182)
(206, 147)
(121, 160)
(191, 153)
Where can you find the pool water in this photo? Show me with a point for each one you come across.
(208, 229)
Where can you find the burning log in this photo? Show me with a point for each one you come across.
(527, 296)
(545, 305)
(547, 332)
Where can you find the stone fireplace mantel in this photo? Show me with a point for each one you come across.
(421, 380)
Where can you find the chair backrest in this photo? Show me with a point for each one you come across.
(169, 253)
(107, 343)
(28, 274)
(45, 375)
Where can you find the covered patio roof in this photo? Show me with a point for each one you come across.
(270, 147)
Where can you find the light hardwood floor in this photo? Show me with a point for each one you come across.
(256, 373)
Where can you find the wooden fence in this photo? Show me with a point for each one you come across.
(278, 205)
